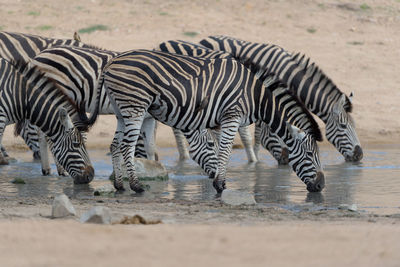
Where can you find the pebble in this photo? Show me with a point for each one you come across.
(150, 168)
(62, 207)
(352, 207)
(98, 214)
(235, 198)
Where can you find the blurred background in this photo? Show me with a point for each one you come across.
(356, 43)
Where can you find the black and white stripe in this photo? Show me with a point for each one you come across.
(27, 95)
(191, 94)
(18, 48)
(263, 134)
(320, 95)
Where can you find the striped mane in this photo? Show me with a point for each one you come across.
(311, 70)
(271, 82)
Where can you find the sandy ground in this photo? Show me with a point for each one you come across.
(355, 42)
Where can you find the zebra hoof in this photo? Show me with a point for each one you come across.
(119, 186)
(219, 185)
(36, 155)
(46, 172)
(4, 162)
(318, 184)
(138, 188)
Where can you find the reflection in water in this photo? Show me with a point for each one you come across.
(372, 184)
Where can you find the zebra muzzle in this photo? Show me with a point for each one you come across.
(86, 176)
(357, 154)
(318, 184)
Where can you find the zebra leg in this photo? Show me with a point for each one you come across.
(44, 155)
(257, 139)
(116, 154)
(140, 151)
(181, 145)
(3, 150)
(247, 141)
(148, 127)
(29, 133)
(3, 160)
(228, 132)
(133, 119)
(203, 150)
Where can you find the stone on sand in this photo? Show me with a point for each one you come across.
(62, 207)
(98, 214)
(150, 169)
(235, 198)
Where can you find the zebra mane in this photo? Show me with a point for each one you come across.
(27, 69)
(312, 70)
(272, 82)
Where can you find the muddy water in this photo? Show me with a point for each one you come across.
(372, 185)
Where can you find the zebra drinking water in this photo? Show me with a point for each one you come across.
(26, 94)
(76, 70)
(262, 132)
(173, 89)
(320, 95)
(18, 48)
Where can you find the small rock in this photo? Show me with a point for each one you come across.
(105, 190)
(352, 207)
(62, 207)
(235, 198)
(150, 170)
(18, 181)
(98, 214)
(146, 170)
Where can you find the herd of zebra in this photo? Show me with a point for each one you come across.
(207, 92)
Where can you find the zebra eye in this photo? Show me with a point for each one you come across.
(310, 154)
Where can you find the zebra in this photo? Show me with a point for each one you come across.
(26, 94)
(263, 135)
(190, 49)
(190, 93)
(76, 70)
(18, 48)
(320, 95)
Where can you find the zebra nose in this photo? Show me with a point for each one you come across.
(318, 184)
(86, 176)
(358, 153)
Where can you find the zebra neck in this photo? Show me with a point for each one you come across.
(44, 104)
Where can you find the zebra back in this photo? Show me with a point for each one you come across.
(296, 113)
(77, 71)
(20, 47)
(305, 79)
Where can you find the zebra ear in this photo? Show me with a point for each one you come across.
(77, 37)
(65, 119)
(351, 97)
(295, 132)
(338, 106)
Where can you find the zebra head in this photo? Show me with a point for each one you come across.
(304, 159)
(340, 131)
(70, 151)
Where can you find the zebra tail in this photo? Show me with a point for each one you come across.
(95, 114)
